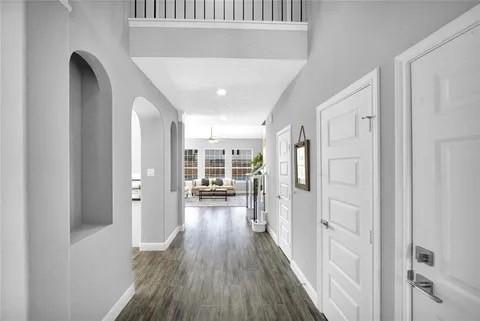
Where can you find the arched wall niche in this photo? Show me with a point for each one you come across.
(173, 156)
(90, 146)
(152, 171)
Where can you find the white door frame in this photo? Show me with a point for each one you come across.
(372, 79)
(403, 151)
(290, 191)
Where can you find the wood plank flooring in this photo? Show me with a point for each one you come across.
(217, 270)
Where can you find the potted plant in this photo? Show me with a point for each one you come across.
(257, 162)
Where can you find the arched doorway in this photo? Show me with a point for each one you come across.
(148, 215)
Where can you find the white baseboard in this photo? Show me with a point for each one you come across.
(171, 237)
(273, 235)
(163, 246)
(312, 293)
(120, 304)
(152, 246)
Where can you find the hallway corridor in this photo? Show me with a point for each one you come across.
(217, 270)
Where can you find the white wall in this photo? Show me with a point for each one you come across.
(101, 266)
(228, 144)
(136, 147)
(59, 281)
(13, 233)
(136, 223)
(348, 39)
(217, 42)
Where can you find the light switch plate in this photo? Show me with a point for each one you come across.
(151, 172)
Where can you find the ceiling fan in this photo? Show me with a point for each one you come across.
(211, 139)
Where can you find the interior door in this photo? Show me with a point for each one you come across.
(445, 89)
(284, 188)
(347, 206)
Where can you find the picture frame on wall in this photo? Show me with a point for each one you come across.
(302, 162)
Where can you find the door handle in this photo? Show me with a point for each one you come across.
(425, 286)
(325, 224)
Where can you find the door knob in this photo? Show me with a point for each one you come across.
(325, 223)
(424, 285)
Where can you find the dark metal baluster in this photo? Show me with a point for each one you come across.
(282, 8)
(184, 9)
(175, 9)
(243, 9)
(223, 9)
(214, 13)
(253, 10)
(301, 10)
(272, 10)
(194, 9)
(165, 9)
(154, 8)
(234, 9)
(135, 9)
(263, 10)
(144, 8)
(204, 10)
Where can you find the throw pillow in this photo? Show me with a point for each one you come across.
(205, 182)
(219, 182)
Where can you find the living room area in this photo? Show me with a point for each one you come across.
(217, 161)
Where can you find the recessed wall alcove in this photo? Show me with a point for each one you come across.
(90, 147)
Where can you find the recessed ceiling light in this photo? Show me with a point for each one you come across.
(221, 92)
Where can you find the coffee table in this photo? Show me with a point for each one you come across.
(213, 193)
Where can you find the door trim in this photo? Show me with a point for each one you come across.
(372, 79)
(288, 129)
(403, 151)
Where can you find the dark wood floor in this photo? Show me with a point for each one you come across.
(217, 270)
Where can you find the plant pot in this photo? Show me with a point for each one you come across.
(258, 226)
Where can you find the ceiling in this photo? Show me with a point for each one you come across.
(253, 87)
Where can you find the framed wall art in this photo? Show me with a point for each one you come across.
(302, 162)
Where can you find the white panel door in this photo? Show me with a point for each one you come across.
(347, 140)
(445, 89)
(284, 187)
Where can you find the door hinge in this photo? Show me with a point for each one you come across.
(370, 121)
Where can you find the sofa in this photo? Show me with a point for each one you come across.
(209, 183)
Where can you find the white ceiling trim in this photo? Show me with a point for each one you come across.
(218, 24)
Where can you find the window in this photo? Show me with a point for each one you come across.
(241, 163)
(191, 164)
(214, 163)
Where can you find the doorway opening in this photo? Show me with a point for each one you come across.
(147, 176)
(217, 165)
(136, 181)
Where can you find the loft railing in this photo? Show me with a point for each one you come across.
(255, 192)
(228, 10)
